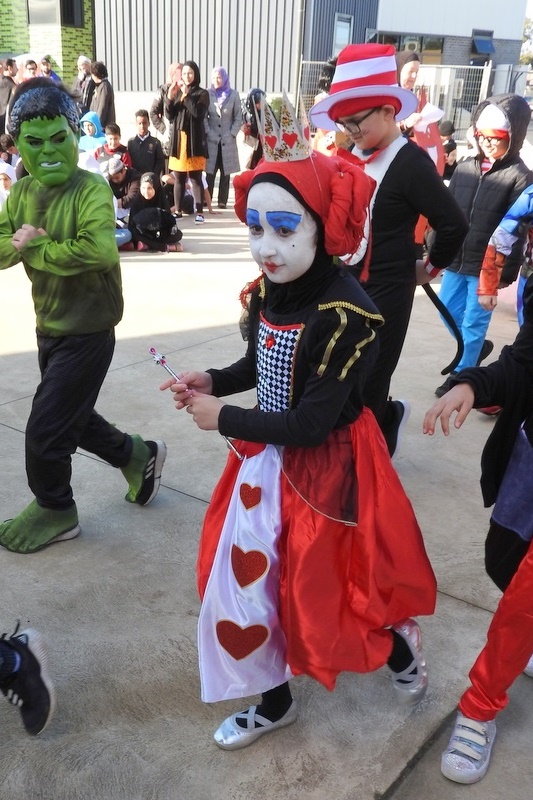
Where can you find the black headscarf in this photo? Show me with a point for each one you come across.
(286, 298)
(403, 58)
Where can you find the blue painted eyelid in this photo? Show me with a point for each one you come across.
(283, 219)
(252, 216)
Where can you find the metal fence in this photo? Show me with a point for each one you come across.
(456, 90)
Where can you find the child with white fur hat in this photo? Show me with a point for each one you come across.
(485, 186)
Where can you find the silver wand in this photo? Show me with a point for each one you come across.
(161, 360)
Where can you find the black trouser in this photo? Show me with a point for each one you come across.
(180, 180)
(394, 302)
(223, 182)
(504, 551)
(63, 418)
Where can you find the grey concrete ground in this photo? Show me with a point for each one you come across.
(118, 606)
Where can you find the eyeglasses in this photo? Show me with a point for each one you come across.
(490, 140)
(354, 126)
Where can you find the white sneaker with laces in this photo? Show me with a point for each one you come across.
(467, 757)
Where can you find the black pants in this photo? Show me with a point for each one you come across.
(504, 551)
(180, 180)
(63, 418)
(394, 302)
(223, 183)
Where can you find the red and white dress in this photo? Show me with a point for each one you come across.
(308, 553)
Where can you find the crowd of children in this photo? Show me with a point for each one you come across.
(309, 484)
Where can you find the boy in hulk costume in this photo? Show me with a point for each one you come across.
(60, 223)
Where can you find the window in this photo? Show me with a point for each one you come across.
(342, 34)
(72, 13)
(42, 12)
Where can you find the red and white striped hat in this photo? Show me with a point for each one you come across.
(363, 71)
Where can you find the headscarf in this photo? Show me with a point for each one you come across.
(196, 69)
(8, 170)
(222, 92)
(403, 58)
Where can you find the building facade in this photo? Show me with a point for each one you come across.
(260, 42)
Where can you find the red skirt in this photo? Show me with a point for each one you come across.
(341, 584)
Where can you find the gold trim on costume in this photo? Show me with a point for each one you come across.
(349, 364)
(341, 304)
(332, 342)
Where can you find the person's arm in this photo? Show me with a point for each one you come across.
(237, 121)
(326, 390)
(156, 113)
(94, 246)
(9, 255)
(132, 190)
(196, 103)
(99, 101)
(159, 160)
(432, 199)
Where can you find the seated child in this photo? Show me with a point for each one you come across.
(7, 179)
(94, 136)
(112, 147)
(151, 224)
(8, 150)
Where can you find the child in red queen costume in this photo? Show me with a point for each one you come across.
(311, 560)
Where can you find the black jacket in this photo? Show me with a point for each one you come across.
(186, 113)
(7, 89)
(411, 187)
(147, 156)
(486, 198)
(507, 382)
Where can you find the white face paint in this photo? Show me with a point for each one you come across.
(282, 233)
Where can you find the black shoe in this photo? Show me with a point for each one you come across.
(446, 386)
(398, 412)
(486, 350)
(222, 205)
(143, 470)
(29, 688)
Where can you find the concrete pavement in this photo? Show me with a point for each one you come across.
(118, 606)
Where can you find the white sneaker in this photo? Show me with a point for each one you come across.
(528, 670)
(467, 757)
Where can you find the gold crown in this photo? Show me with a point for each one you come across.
(286, 140)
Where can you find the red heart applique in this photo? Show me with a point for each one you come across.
(270, 341)
(249, 566)
(271, 141)
(290, 138)
(250, 495)
(306, 132)
(240, 642)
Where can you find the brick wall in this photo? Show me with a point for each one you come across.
(62, 44)
(77, 41)
(14, 33)
(457, 50)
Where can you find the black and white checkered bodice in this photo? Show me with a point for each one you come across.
(276, 354)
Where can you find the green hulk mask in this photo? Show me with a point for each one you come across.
(49, 149)
(45, 125)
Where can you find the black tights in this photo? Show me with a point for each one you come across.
(180, 180)
(274, 704)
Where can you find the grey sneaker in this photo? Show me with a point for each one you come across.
(467, 757)
(411, 684)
